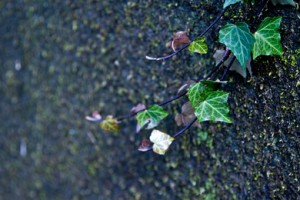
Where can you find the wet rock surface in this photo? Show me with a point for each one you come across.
(61, 60)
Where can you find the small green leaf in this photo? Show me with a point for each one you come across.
(239, 40)
(152, 116)
(267, 38)
(110, 124)
(230, 2)
(198, 91)
(284, 2)
(198, 46)
(213, 108)
(161, 140)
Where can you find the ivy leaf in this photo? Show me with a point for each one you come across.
(230, 2)
(161, 141)
(186, 116)
(145, 145)
(267, 38)
(198, 46)
(151, 117)
(198, 91)
(239, 40)
(180, 38)
(110, 124)
(236, 66)
(284, 2)
(213, 108)
(209, 104)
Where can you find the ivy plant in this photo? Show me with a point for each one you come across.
(206, 100)
(267, 38)
(151, 116)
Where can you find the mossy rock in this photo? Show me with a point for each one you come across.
(62, 60)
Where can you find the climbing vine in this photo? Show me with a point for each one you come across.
(206, 101)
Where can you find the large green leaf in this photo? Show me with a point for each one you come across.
(267, 38)
(152, 116)
(230, 2)
(209, 104)
(198, 46)
(161, 141)
(198, 91)
(239, 40)
(213, 108)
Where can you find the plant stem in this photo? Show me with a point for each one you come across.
(172, 99)
(185, 128)
(160, 104)
(185, 46)
(227, 68)
(227, 53)
(128, 116)
(225, 57)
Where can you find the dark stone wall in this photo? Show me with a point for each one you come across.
(60, 60)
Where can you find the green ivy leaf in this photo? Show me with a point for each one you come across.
(110, 124)
(209, 104)
(198, 91)
(239, 40)
(230, 2)
(198, 46)
(267, 38)
(284, 2)
(213, 108)
(161, 141)
(152, 116)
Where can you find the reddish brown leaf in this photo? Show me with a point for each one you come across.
(137, 108)
(179, 39)
(145, 145)
(186, 116)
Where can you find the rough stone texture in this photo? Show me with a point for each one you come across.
(89, 55)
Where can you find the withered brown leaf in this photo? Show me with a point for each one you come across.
(180, 38)
(110, 124)
(139, 107)
(145, 145)
(186, 116)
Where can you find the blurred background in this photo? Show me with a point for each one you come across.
(62, 60)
